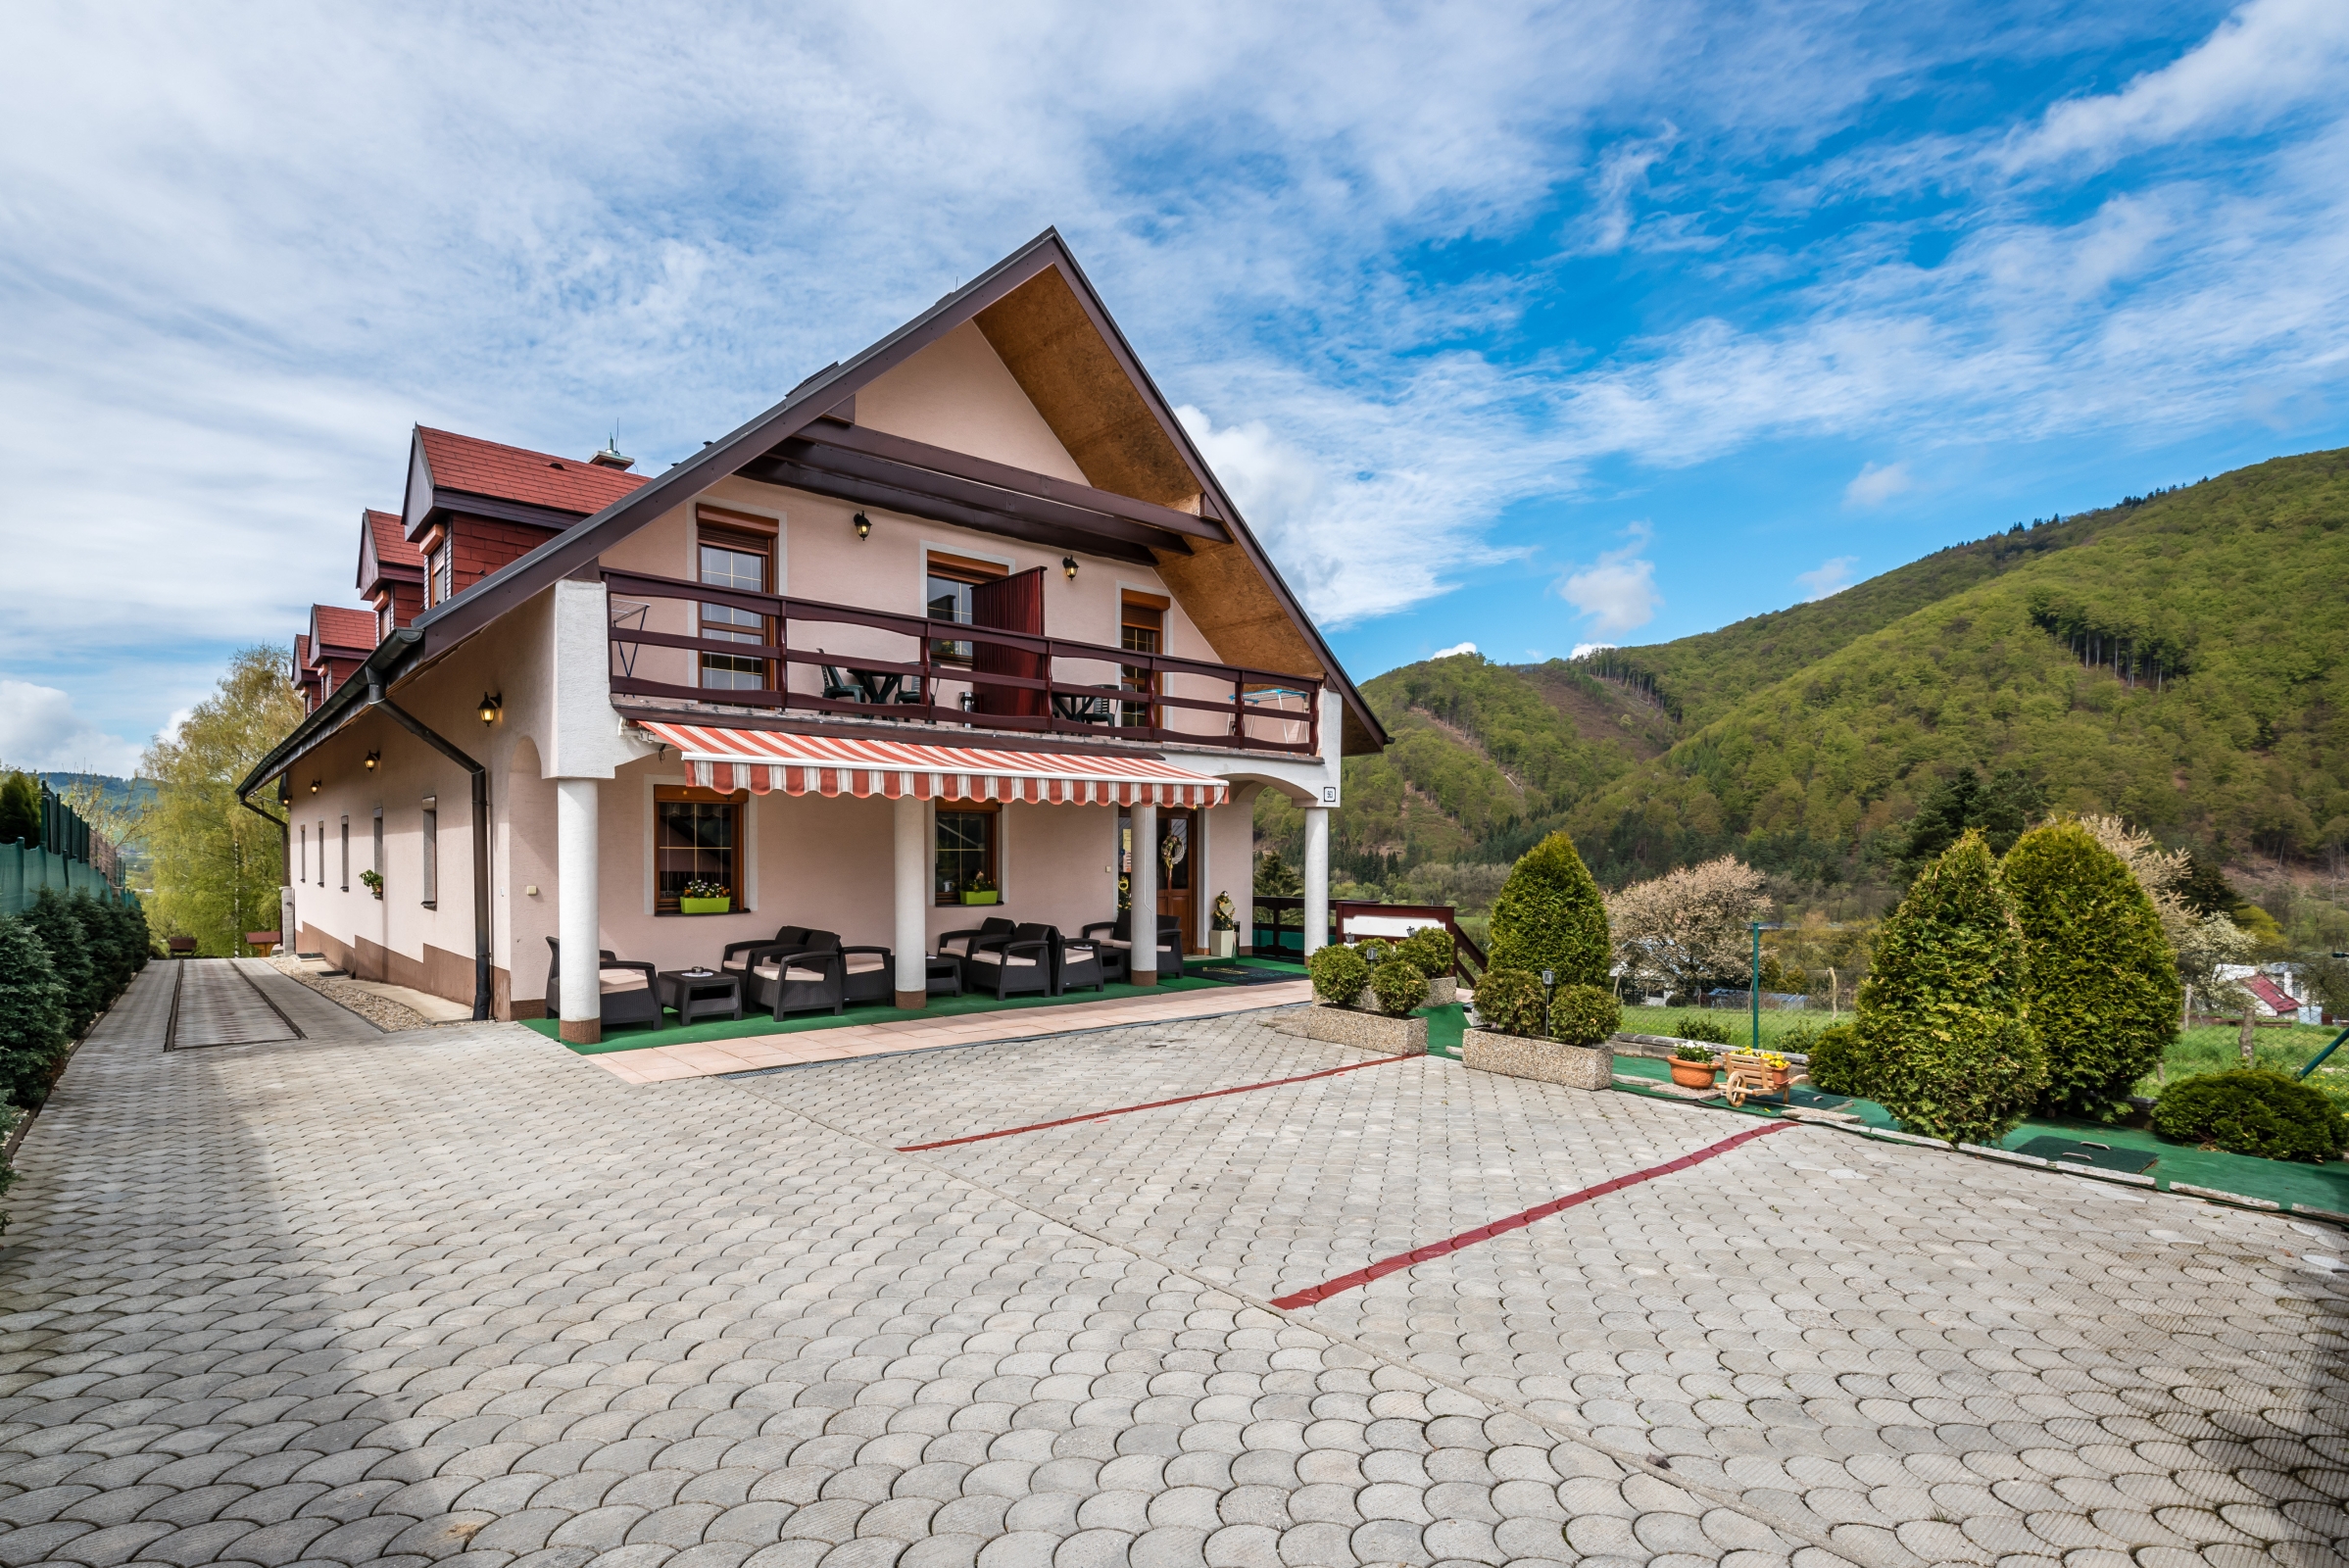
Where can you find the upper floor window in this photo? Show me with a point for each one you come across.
(946, 596)
(744, 561)
(442, 574)
(1140, 629)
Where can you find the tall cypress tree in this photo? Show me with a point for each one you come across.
(32, 1016)
(2102, 989)
(53, 919)
(1941, 1016)
(1549, 915)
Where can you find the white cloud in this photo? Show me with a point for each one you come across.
(1457, 648)
(1828, 578)
(1580, 649)
(40, 732)
(2263, 61)
(1617, 591)
(1873, 486)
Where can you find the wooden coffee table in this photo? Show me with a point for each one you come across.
(711, 993)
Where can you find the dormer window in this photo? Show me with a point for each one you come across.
(437, 567)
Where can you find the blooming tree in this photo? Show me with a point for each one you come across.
(1688, 926)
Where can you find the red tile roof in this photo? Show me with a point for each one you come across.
(392, 548)
(2269, 991)
(338, 627)
(511, 473)
(301, 654)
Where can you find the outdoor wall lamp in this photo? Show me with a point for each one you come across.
(864, 526)
(1068, 567)
(373, 759)
(313, 786)
(489, 708)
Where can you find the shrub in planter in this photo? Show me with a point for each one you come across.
(1839, 1065)
(1583, 1015)
(1702, 1026)
(2250, 1110)
(1400, 986)
(1509, 1002)
(1549, 915)
(2100, 984)
(1338, 975)
(52, 918)
(1431, 948)
(1374, 951)
(34, 1017)
(1942, 1017)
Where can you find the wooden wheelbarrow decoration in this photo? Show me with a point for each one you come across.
(1756, 1073)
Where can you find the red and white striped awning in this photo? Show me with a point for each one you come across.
(764, 759)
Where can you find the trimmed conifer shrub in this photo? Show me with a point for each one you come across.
(1941, 1014)
(34, 1016)
(1430, 947)
(2100, 985)
(2251, 1110)
(54, 919)
(1510, 1001)
(1583, 1015)
(104, 937)
(1839, 1065)
(1549, 915)
(1399, 985)
(1339, 974)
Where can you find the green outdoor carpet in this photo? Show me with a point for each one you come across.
(940, 1006)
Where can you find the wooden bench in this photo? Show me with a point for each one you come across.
(258, 940)
(181, 947)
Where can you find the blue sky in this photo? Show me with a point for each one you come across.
(1530, 326)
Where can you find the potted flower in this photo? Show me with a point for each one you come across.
(1693, 1066)
(704, 898)
(1223, 935)
(1756, 1072)
(980, 890)
(373, 881)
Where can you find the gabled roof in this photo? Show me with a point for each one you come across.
(1047, 324)
(334, 630)
(467, 465)
(384, 551)
(302, 671)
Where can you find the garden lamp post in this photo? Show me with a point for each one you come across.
(1753, 1040)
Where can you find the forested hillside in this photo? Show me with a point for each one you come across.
(2172, 659)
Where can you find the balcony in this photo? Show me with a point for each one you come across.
(802, 656)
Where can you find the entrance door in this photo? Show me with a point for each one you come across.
(1178, 842)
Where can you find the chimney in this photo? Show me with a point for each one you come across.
(609, 457)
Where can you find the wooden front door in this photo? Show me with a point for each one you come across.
(1178, 843)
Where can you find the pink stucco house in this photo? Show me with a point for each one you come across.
(965, 613)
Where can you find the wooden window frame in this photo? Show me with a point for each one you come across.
(746, 535)
(968, 571)
(665, 903)
(1154, 607)
(992, 869)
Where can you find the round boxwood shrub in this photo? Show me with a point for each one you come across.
(2251, 1110)
(1400, 986)
(1549, 915)
(1702, 1026)
(1431, 948)
(1338, 975)
(1374, 951)
(1583, 1015)
(2100, 984)
(1509, 1002)
(1942, 1012)
(1839, 1066)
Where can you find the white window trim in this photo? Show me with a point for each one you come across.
(749, 904)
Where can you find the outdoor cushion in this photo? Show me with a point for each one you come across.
(766, 971)
(1018, 960)
(867, 963)
(620, 980)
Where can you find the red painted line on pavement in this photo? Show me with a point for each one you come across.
(1156, 1104)
(1517, 1222)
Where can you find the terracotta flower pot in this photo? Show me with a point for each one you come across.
(1693, 1074)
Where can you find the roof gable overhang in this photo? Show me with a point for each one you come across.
(1047, 324)
(375, 572)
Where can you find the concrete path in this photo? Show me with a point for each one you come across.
(457, 1294)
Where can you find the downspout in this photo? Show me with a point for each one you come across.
(480, 777)
(285, 859)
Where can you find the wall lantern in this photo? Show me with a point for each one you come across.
(373, 759)
(313, 786)
(1068, 567)
(864, 526)
(489, 708)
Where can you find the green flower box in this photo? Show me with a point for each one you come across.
(704, 905)
(981, 898)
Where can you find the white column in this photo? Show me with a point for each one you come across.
(912, 880)
(581, 1005)
(1317, 878)
(1143, 898)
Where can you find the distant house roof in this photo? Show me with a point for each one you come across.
(334, 629)
(2273, 996)
(474, 467)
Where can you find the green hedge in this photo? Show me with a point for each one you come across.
(2250, 1110)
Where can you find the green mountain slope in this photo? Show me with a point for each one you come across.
(2170, 657)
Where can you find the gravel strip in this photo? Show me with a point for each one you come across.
(386, 1016)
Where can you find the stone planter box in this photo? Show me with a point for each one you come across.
(1547, 1060)
(1366, 1031)
(1442, 990)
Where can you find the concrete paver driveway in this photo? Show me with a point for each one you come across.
(460, 1295)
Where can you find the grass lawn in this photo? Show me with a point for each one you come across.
(673, 1034)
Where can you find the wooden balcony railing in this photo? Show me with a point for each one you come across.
(1152, 698)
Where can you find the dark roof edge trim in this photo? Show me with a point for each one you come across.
(383, 668)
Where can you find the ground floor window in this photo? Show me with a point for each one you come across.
(431, 866)
(697, 843)
(968, 834)
(346, 855)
